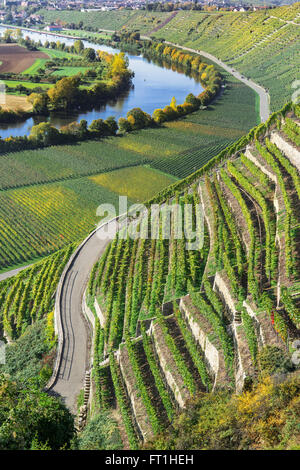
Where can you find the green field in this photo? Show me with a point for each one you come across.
(32, 70)
(40, 219)
(69, 71)
(99, 19)
(14, 83)
(138, 183)
(63, 162)
(56, 53)
(84, 34)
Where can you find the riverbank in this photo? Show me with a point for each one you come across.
(264, 96)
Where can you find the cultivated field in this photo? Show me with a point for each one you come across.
(16, 58)
(139, 183)
(40, 219)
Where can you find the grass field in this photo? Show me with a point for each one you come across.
(14, 83)
(69, 71)
(32, 70)
(63, 162)
(84, 34)
(56, 53)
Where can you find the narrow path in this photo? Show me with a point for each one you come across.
(264, 98)
(74, 358)
(12, 272)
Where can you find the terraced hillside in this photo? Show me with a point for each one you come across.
(261, 45)
(172, 321)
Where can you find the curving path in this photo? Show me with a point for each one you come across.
(264, 98)
(73, 330)
(12, 272)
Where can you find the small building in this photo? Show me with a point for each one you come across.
(53, 28)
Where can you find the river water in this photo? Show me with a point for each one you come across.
(154, 85)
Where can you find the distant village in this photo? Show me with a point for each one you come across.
(25, 12)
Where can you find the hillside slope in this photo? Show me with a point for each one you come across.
(262, 45)
(173, 322)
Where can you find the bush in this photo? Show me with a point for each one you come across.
(266, 417)
(101, 433)
(31, 416)
(273, 360)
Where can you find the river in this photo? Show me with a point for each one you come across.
(154, 86)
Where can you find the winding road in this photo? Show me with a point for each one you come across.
(264, 98)
(73, 329)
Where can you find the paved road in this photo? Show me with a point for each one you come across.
(76, 344)
(264, 98)
(12, 273)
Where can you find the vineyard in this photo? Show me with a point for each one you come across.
(18, 169)
(45, 193)
(178, 315)
(29, 296)
(109, 20)
(261, 45)
(40, 219)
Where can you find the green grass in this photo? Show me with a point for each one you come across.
(69, 71)
(56, 53)
(138, 183)
(87, 34)
(32, 70)
(14, 83)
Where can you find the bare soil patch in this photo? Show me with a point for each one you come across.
(16, 58)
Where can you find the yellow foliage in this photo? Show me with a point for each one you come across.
(119, 64)
(173, 103)
(131, 119)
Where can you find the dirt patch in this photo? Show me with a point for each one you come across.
(16, 103)
(16, 58)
